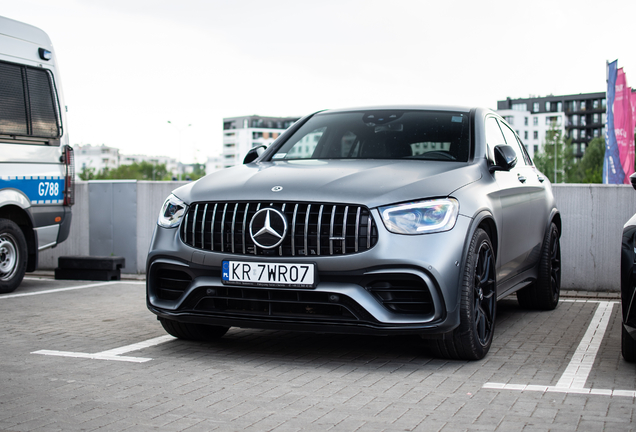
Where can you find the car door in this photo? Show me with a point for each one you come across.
(522, 197)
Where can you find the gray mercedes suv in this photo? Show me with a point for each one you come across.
(384, 220)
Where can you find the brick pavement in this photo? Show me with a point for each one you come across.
(258, 380)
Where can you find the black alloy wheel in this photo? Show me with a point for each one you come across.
(484, 294)
(471, 340)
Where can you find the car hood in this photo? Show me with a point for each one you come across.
(368, 182)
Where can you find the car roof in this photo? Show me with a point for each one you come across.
(449, 108)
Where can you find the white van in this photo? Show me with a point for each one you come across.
(36, 161)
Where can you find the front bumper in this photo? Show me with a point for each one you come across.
(404, 285)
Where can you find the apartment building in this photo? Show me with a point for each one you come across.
(240, 134)
(581, 117)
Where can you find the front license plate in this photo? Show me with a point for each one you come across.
(269, 274)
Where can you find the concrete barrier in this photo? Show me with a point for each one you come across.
(593, 218)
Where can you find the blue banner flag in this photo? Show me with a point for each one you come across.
(612, 170)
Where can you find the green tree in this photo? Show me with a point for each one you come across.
(590, 168)
(555, 147)
(88, 173)
(135, 171)
(197, 172)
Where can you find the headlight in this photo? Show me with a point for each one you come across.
(422, 217)
(172, 212)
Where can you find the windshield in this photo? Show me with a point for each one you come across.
(381, 134)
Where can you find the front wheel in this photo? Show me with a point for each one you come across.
(191, 331)
(13, 256)
(472, 339)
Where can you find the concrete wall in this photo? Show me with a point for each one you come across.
(593, 218)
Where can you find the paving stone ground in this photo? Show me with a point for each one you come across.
(258, 380)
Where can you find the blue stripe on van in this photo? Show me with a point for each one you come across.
(39, 189)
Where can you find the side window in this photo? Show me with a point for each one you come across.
(494, 137)
(512, 141)
(303, 147)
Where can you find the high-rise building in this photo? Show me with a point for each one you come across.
(581, 117)
(240, 134)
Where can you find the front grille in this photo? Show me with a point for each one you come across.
(277, 303)
(313, 229)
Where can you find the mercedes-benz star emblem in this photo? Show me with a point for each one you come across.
(268, 228)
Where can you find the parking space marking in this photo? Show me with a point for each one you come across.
(68, 289)
(575, 375)
(113, 354)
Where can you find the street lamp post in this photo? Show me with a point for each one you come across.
(179, 165)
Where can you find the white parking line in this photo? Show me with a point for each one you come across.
(2, 296)
(113, 354)
(575, 375)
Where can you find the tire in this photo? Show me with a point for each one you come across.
(628, 346)
(544, 293)
(13, 256)
(478, 307)
(190, 331)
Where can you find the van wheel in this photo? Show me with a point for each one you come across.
(191, 331)
(13, 256)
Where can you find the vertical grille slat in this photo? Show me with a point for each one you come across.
(322, 207)
(344, 230)
(247, 208)
(312, 228)
(223, 227)
(306, 236)
(293, 231)
(233, 225)
(205, 210)
(212, 227)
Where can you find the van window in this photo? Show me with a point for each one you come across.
(29, 106)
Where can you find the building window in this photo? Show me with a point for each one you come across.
(560, 106)
(596, 133)
(535, 134)
(510, 119)
(603, 103)
(575, 120)
(535, 121)
(525, 121)
(547, 106)
(582, 106)
(595, 104)
(595, 118)
(535, 107)
(520, 107)
(583, 120)
(575, 134)
(536, 149)
(525, 135)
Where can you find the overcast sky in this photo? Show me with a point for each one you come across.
(129, 66)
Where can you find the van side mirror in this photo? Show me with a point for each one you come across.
(505, 158)
(253, 154)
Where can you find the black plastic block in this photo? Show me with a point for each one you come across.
(91, 262)
(87, 274)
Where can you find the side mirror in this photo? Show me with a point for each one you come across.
(632, 179)
(505, 158)
(253, 154)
